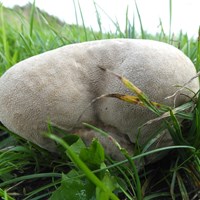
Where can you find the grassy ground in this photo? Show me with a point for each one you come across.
(28, 172)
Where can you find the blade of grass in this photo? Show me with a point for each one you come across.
(198, 52)
(4, 38)
(83, 22)
(35, 192)
(127, 156)
(172, 186)
(170, 20)
(4, 195)
(76, 16)
(116, 24)
(173, 181)
(32, 19)
(162, 35)
(140, 20)
(98, 19)
(196, 123)
(90, 175)
(29, 177)
(127, 34)
(157, 196)
(182, 188)
(153, 106)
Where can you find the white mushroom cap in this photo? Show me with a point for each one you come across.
(58, 85)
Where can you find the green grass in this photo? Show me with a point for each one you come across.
(28, 172)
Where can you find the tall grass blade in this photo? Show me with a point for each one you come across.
(198, 52)
(98, 19)
(127, 156)
(132, 28)
(29, 177)
(116, 24)
(83, 22)
(170, 20)
(172, 186)
(90, 175)
(162, 35)
(196, 124)
(140, 20)
(32, 18)
(127, 25)
(182, 188)
(5, 39)
(76, 16)
(176, 133)
(5, 195)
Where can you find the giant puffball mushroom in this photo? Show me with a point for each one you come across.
(58, 85)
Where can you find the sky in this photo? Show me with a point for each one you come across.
(185, 13)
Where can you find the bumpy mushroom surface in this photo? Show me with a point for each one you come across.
(56, 86)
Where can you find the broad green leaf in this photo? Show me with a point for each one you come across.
(74, 189)
(77, 146)
(110, 182)
(93, 155)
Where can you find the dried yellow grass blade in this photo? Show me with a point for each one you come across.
(127, 98)
(141, 98)
(131, 86)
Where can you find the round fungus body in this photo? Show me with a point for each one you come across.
(58, 85)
